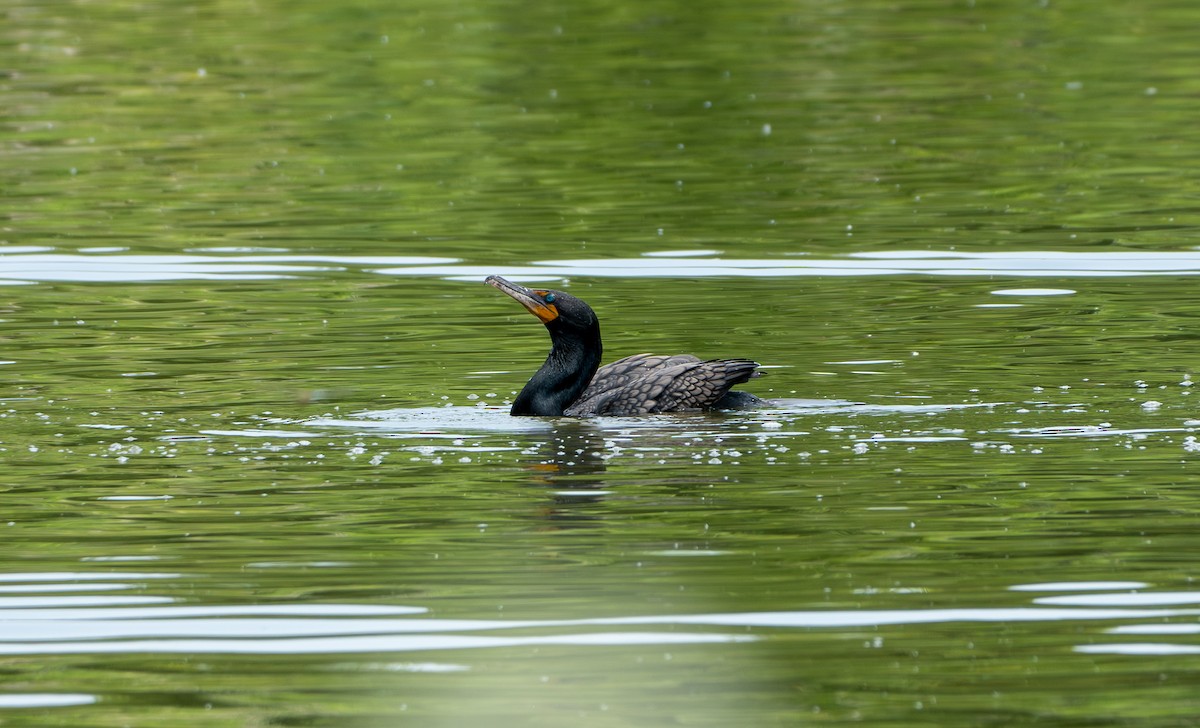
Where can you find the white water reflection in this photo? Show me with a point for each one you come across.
(1156, 629)
(434, 421)
(426, 667)
(73, 576)
(47, 602)
(1025, 265)
(30, 265)
(496, 419)
(98, 268)
(373, 643)
(1125, 599)
(351, 628)
(1032, 292)
(204, 630)
(1089, 431)
(1080, 586)
(156, 624)
(1140, 649)
(45, 700)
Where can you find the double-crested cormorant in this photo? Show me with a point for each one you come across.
(573, 383)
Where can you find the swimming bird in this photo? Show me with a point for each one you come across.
(572, 383)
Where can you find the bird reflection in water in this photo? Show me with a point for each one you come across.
(572, 467)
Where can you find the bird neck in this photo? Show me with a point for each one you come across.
(567, 371)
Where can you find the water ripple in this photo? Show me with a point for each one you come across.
(19, 266)
(1024, 265)
(58, 625)
(217, 630)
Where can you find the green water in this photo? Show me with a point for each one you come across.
(258, 464)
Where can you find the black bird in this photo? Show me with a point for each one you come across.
(573, 383)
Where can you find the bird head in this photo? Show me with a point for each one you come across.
(560, 312)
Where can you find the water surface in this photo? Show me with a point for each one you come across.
(259, 465)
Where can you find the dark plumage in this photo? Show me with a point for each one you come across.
(571, 382)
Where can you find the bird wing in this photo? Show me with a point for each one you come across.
(645, 384)
(623, 371)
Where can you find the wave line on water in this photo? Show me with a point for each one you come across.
(25, 266)
(1019, 265)
(245, 631)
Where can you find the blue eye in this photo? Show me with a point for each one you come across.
(548, 298)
